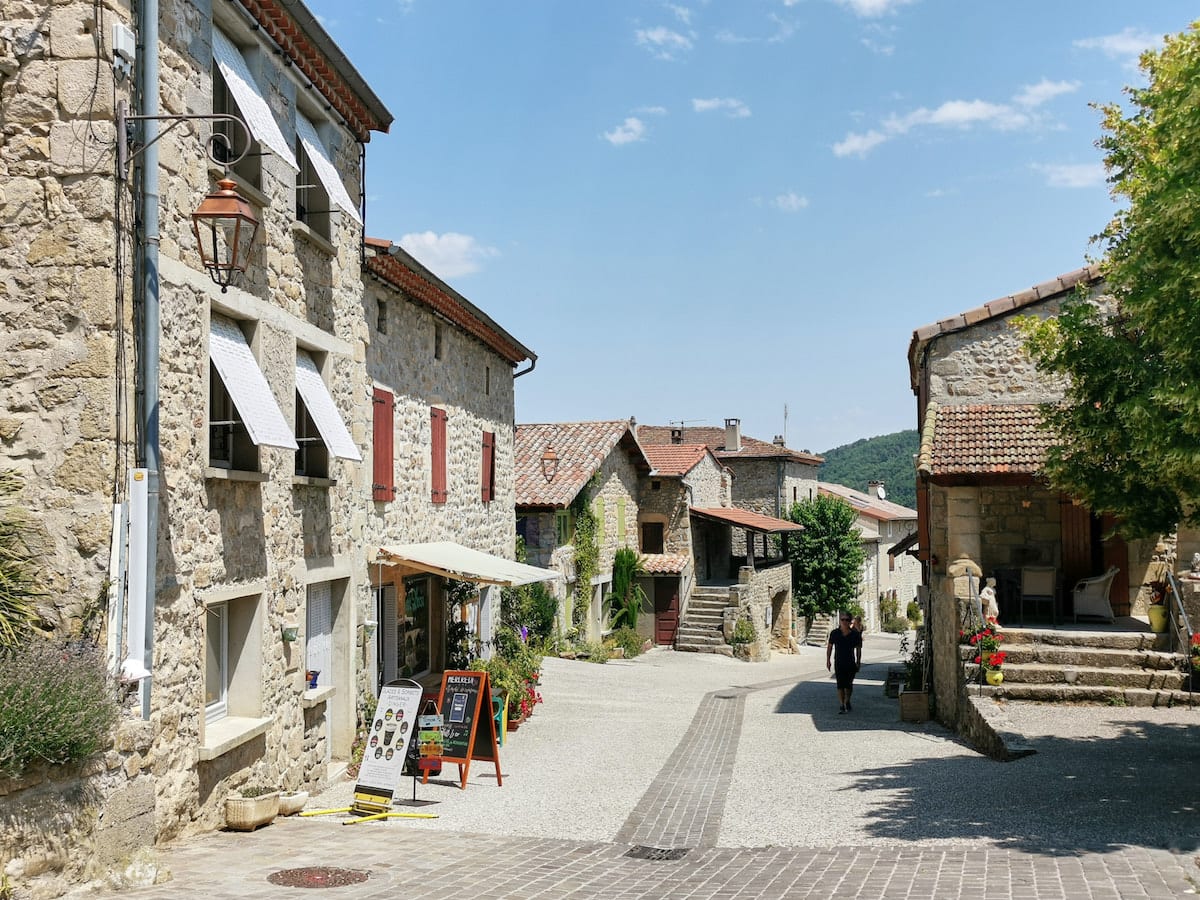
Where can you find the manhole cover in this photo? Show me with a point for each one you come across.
(656, 853)
(317, 877)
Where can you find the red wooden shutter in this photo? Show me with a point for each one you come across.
(487, 477)
(383, 480)
(437, 418)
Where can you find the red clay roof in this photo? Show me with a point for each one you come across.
(882, 510)
(1001, 306)
(401, 270)
(983, 439)
(714, 439)
(743, 518)
(305, 44)
(674, 460)
(664, 563)
(581, 448)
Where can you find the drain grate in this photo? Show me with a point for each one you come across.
(656, 853)
(317, 877)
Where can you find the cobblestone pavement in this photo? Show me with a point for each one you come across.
(750, 771)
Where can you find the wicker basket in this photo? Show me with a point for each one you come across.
(247, 813)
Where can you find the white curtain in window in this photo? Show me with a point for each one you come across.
(251, 103)
(324, 167)
(318, 651)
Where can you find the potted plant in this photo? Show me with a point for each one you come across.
(914, 692)
(991, 666)
(250, 807)
(291, 802)
(1157, 611)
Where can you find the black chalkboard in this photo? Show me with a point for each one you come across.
(468, 728)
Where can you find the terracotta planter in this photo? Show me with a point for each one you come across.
(514, 724)
(914, 706)
(248, 813)
(994, 676)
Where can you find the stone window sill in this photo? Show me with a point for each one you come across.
(312, 481)
(312, 697)
(218, 474)
(300, 230)
(229, 733)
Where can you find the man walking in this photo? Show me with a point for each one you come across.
(845, 648)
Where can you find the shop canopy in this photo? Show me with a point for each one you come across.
(452, 560)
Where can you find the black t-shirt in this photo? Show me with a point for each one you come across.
(844, 646)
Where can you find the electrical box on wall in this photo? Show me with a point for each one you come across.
(124, 46)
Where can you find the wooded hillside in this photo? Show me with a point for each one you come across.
(887, 458)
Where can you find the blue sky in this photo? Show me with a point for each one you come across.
(700, 210)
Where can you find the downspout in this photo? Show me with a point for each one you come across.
(148, 358)
(532, 365)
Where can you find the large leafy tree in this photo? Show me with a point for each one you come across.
(827, 556)
(1129, 429)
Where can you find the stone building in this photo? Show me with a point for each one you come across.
(983, 508)
(884, 524)
(597, 465)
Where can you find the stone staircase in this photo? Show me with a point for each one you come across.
(1116, 668)
(701, 630)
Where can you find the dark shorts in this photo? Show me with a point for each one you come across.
(845, 675)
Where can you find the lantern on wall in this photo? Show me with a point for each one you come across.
(225, 227)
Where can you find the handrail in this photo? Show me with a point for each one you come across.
(1181, 634)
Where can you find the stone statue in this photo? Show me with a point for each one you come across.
(1196, 564)
(987, 599)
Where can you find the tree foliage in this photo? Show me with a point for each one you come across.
(827, 556)
(626, 599)
(1129, 429)
(887, 458)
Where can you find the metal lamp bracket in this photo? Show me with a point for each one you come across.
(128, 150)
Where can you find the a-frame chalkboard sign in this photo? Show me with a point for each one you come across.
(468, 726)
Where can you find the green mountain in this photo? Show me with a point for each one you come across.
(887, 458)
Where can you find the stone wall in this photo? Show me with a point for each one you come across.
(765, 596)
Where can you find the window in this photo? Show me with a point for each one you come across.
(383, 481)
(437, 446)
(242, 412)
(249, 167)
(412, 637)
(652, 537)
(563, 527)
(320, 431)
(312, 201)
(381, 316)
(488, 475)
(437, 340)
(487, 380)
(318, 633)
(232, 659)
(322, 174)
(656, 485)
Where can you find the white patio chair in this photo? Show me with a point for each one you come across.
(1090, 596)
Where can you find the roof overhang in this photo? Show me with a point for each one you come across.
(743, 518)
(905, 545)
(451, 560)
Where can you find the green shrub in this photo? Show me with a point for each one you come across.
(592, 651)
(57, 705)
(628, 640)
(895, 625)
(743, 632)
(889, 608)
(913, 611)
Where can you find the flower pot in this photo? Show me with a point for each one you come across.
(291, 802)
(914, 706)
(514, 724)
(994, 676)
(1158, 618)
(247, 813)
(311, 676)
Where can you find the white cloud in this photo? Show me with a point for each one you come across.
(1072, 175)
(782, 31)
(662, 42)
(859, 144)
(630, 131)
(732, 107)
(682, 13)
(449, 255)
(872, 9)
(1125, 46)
(790, 202)
(1045, 90)
(651, 110)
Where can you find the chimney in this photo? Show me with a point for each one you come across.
(875, 489)
(676, 435)
(778, 442)
(733, 435)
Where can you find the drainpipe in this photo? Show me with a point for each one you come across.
(148, 452)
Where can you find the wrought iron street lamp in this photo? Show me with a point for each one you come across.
(225, 227)
(549, 463)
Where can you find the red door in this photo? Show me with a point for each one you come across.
(666, 610)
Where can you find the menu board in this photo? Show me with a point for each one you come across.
(392, 728)
(468, 728)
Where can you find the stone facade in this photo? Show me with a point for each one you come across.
(613, 496)
(768, 485)
(764, 596)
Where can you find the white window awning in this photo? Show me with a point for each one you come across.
(324, 167)
(251, 103)
(247, 386)
(453, 560)
(321, 407)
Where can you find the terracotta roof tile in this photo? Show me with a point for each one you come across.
(714, 439)
(985, 439)
(664, 563)
(581, 448)
(744, 518)
(674, 460)
(882, 510)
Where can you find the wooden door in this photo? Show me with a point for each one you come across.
(1116, 553)
(666, 610)
(1078, 548)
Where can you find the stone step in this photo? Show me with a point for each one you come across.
(1085, 656)
(1063, 693)
(1032, 674)
(1112, 640)
(709, 603)
(699, 635)
(722, 650)
(705, 616)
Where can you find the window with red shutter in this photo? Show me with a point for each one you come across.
(383, 480)
(488, 476)
(437, 420)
